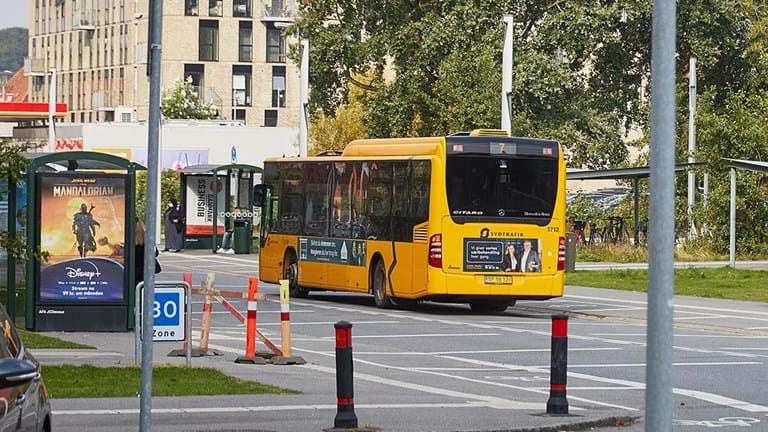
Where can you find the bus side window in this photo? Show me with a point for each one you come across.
(316, 183)
(401, 227)
(377, 201)
(419, 186)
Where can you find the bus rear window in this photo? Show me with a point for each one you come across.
(511, 189)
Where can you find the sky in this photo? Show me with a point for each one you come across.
(17, 15)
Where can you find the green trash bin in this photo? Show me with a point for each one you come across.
(243, 237)
(570, 252)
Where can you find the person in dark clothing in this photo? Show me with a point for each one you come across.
(139, 253)
(174, 225)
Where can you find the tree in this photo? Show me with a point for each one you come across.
(181, 102)
(169, 188)
(13, 165)
(581, 67)
(13, 48)
(334, 132)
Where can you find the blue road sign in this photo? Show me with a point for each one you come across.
(168, 314)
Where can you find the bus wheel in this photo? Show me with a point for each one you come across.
(489, 306)
(291, 273)
(380, 287)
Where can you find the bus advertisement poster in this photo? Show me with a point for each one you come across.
(82, 227)
(199, 203)
(502, 255)
(334, 251)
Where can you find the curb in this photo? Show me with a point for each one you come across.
(615, 421)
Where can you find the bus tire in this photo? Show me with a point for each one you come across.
(291, 273)
(379, 286)
(490, 306)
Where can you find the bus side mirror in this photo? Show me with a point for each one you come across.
(259, 195)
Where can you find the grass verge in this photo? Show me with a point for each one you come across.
(724, 283)
(34, 340)
(103, 382)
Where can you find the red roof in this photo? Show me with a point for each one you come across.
(17, 88)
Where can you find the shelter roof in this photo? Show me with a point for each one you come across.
(212, 168)
(79, 160)
(620, 173)
(750, 165)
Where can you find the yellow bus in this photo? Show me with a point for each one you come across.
(474, 218)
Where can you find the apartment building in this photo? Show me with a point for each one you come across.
(232, 51)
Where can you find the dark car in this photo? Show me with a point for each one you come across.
(24, 404)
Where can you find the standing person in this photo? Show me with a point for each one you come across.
(530, 261)
(173, 227)
(139, 253)
(510, 263)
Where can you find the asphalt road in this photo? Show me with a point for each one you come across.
(441, 367)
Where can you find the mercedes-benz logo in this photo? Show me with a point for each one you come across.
(501, 212)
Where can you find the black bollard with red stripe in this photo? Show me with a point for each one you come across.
(345, 414)
(558, 376)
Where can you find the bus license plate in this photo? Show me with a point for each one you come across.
(498, 280)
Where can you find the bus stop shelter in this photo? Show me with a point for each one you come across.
(202, 198)
(634, 174)
(736, 164)
(53, 183)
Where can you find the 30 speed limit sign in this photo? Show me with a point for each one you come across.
(168, 314)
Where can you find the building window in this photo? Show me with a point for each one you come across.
(239, 114)
(278, 86)
(209, 40)
(275, 44)
(194, 74)
(245, 51)
(190, 7)
(241, 86)
(215, 8)
(270, 118)
(241, 8)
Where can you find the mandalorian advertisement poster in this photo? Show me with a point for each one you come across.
(82, 227)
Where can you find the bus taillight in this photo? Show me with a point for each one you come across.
(561, 254)
(436, 251)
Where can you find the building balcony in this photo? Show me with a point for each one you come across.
(34, 67)
(84, 21)
(278, 10)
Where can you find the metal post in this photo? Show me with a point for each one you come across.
(10, 304)
(188, 321)
(732, 219)
(691, 143)
(215, 233)
(137, 324)
(303, 97)
(658, 397)
(507, 69)
(636, 210)
(153, 176)
(52, 111)
(345, 399)
(705, 198)
(558, 376)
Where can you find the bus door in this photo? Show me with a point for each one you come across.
(270, 244)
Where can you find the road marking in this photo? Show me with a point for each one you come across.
(620, 365)
(422, 335)
(679, 306)
(71, 353)
(695, 394)
(623, 309)
(521, 351)
(488, 401)
(745, 349)
(570, 323)
(206, 410)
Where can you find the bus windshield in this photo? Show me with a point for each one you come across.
(508, 189)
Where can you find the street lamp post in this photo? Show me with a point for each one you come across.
(4, 77)
(303, 90)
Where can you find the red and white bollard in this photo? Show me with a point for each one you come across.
(250, 356)
(285, 329)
